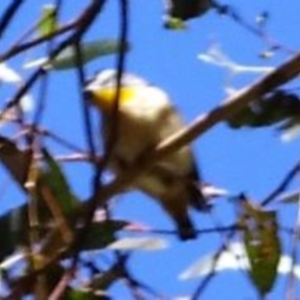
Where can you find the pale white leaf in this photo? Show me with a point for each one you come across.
(211, 191)
(7, 74)
(12, 261)
(292, 197)
(214, 55)
(26, 103)
(143, 243)
(286, 265)
(234, 258)
(290, 133)
(35, 63)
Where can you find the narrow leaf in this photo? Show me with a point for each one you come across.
(233, 258)
(143, 243)
(54, 178)
(186, 10)
(262, 244)
(48, 22)
(89, 51)
(101, 234)
(16, 161)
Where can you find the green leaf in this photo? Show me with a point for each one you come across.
(101, 234)
(67, 59)
(174, 24)
(262, 244)
(84, 294)
(13, 230)
(267, 111)
(16, 161)
(54, 178)
(185, 10)
(243, 118)
(48, 21)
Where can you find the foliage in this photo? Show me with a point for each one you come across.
(57, 235)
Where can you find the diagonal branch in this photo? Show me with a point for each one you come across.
(9, 14)
(283, 74)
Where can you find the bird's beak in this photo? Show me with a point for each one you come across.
(91, 87)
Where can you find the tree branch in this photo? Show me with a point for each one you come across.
(283, 74)
(9, 14)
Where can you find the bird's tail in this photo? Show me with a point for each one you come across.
(185, 228)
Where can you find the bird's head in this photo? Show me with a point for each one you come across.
(103, 88)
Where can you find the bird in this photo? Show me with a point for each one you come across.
(146, 117)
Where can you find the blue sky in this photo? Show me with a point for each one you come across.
(251, 161)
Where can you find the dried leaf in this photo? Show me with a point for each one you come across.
(16, 161)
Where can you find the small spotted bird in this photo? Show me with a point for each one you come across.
(145, 118)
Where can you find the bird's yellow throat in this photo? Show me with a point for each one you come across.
(104, 98)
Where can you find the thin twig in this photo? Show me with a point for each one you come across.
(9, 14)
(18, 49)
(202, 286)
(214, 230)
(283, 185)
(291, 280)
(230, 12)
(93, 204)
(84, 22)
(82, 234)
